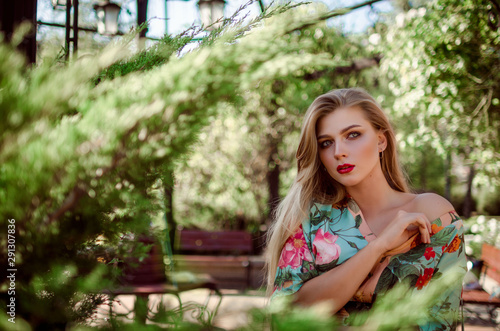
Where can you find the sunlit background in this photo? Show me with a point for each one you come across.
(182, 14)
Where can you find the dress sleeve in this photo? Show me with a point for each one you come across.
(295, 266)
(426, 263)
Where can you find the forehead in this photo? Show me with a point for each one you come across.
(340, 119)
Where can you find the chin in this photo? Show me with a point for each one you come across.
(347, 182)
(350, 184)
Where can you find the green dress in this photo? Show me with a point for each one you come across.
(333, 234)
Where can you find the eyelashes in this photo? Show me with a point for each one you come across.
(327, 143)
(353, 134)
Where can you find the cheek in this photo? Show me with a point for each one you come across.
(323, 155)
(367, 147)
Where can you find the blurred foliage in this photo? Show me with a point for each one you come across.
(81, 164)
(225, 182)
(395, 310)
(282, 315)
(84, 147)
(434, 80)
(479, 230)
(190, 316)
(488, 200)
(440, 61)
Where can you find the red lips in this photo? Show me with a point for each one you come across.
(345, 168)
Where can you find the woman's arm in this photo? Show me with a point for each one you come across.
(341, 283)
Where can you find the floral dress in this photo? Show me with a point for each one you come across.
(333, 234)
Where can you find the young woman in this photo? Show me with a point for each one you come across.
(349, 228)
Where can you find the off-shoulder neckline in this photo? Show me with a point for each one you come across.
(365, 229)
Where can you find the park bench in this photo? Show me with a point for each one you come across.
(224, 255)
(490, 257)
(146, 277)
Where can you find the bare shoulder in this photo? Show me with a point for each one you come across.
(432, 205)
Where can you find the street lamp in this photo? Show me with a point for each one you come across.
(59, 4)
(107, 17)
(211, 11)
(66, 5)
(107, 14)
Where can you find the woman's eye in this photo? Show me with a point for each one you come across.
(354, 134)
(325, 144)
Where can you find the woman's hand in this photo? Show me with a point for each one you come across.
(402, 227)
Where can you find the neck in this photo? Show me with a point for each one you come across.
(373, 195)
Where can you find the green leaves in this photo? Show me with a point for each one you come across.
(434, 57)
(358, 221)
(353, 245)
(83, 147)
(386, 281)
(402, 270)
(328, 266)
(353, 206)
(321, 216)
(442, 237)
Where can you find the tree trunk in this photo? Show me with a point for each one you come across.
(423, 170)
(168, 187)
(13, 13)
(447, 172)
(142, 16)
(273, 161)
(468, 203)
(273, 178)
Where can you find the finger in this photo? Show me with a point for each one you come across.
(424, 229)
(426, 222)
(424, 235)
(429, 225)
(428, 228)
(412, 227)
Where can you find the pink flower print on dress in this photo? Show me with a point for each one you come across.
(325, 248)
(295, 251)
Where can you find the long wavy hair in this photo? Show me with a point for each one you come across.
(312, 183)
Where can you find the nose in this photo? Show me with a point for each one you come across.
(340, 151)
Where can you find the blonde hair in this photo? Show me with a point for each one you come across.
(313, 184)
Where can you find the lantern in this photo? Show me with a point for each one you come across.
(107, 17)
(210, 12)
(59, 4)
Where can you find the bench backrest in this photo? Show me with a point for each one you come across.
(151, 270)
(217, 242)
(490, 256)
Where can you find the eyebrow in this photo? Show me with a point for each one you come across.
(341, 131)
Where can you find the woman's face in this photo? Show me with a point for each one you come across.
(349, 146)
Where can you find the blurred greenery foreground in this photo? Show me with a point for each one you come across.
(88, 151)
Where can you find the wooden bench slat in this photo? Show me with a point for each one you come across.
(491, 258)
(224, 232)
(480, 297)
(162, 288)
(149, 276)
(216, 242)
(227, 244)
(225, 255)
